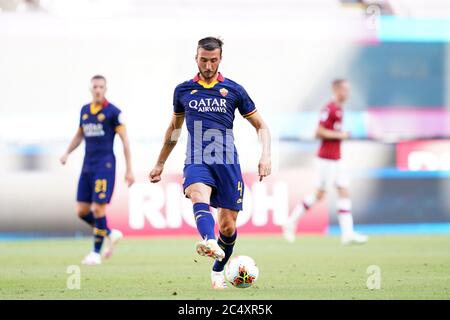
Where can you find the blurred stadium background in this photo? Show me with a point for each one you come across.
(395, 53)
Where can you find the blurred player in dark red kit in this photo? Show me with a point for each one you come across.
(330, 169)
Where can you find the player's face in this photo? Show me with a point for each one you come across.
(342, 91)
(208, 62)
(98, 90)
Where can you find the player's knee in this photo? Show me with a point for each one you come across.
(82, 211)
(82, 214)
(343, 192)
(227, 229)
(196, 196)
(320, 195)
(98, 211)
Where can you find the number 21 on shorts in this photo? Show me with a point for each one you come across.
(100, 185)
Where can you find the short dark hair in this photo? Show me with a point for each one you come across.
(210, 44)
(338, 82)
(98, 77)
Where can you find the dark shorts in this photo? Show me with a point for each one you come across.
(225, 179)
(96, 187)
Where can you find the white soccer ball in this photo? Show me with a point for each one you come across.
(242, 272)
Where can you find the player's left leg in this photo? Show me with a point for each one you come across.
(344, 206)
(229, 201)
(227, 238)
(345, 217)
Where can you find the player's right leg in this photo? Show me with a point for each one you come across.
(325, 175)
(84, 213)
(100, 232)
(199, 193)
(198, 186)
(290, 227)
(84, 199)
(85, 196)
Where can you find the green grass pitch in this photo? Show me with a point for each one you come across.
(412, 267)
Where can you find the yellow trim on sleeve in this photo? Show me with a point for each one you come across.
(248, 115)
(119, 128)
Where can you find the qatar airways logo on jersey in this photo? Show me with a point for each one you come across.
(209, 105)
(93, 130)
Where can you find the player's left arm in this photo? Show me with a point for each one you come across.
(122, 132)
(265, 165)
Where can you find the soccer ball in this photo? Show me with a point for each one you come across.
(242, 272)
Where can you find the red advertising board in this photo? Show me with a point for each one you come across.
(161, 209)
(428, 155)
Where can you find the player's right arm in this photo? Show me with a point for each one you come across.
(76, 141)
(327, 134)
(170, 140)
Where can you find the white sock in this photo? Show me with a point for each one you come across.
(302, 207)
(309, 201)
(298, 212)
(345, 218)
(217, 273)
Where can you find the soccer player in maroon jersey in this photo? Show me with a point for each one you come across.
(330, 169)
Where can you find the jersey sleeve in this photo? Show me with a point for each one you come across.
(327, 117)
(117, 119)
(246, 105)
(82, 114)
(178, 108)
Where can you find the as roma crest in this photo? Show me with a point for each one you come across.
(101, 117)
(223, 92)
